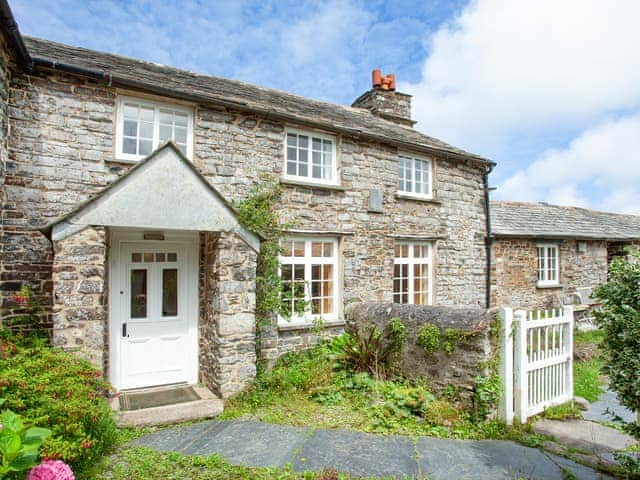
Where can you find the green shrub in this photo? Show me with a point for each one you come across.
(429, 337)
(373, 351)
(19, 444)
(619, 318)
(56, 390)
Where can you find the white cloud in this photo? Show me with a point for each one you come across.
(507, 68)
(599, 169)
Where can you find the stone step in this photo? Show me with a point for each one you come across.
(208, 406)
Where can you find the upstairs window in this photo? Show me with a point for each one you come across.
(412, 273)
(414, 176)
(548, 265)
(143, 126)
(310, 157)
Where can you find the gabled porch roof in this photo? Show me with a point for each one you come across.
(163, 191)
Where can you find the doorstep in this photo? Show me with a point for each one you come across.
(206, 406)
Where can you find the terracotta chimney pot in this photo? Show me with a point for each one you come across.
(376, 78)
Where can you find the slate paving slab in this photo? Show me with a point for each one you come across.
(357, 453)
(495, 459)
(608, 402)
(258, 444)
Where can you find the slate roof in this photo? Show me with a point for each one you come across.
(243, 96)
(541, 220)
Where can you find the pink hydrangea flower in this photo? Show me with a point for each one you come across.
(51, 470)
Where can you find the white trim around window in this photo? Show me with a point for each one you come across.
(309, 273)
(143, 125)
(310, 157)
(548, 262)
(415, 176)
(412, 273)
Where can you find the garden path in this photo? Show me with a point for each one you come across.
(608, 402)
(257, 444)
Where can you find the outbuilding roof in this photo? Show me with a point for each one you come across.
(165, 80)
(541, 220)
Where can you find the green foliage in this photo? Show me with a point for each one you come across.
(562, 412)
(428, 337)
(25, 315)
(258, 213)
(587, 379)
(56, 390)
(452, 337)
(19, 444)
(373, 351)
(590, 336)
(486, 394)
(619, 319)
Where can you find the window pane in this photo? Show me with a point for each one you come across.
(138, 294)
(136, 257)
(165, 133)
(303, 141)
(292, 140)
(146, 130)
(130, 111)
(298, 249)
(160, 257)
(285, 248)
(166, 117)
(130, 128)
(328, 249)
(144, 147)
(181, 119)
(172, 257)
(169, 292)
(316, 249)
(148, 257)
(291, 155)
(146, 114)
(291, 168)
(129, 146)
(181, 135)
(304, 171)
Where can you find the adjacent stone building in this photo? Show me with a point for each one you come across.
(119, 180)
(546, 255)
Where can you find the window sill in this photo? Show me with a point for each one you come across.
(127, 161)
(548, 285)
(293, 326)
(407, 196)
(302, 183)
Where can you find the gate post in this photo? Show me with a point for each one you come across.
(568, 348)
(520, 366)
(506, 366)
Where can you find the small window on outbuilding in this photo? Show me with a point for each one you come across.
(548, 265)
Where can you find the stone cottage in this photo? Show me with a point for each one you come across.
(545, 255)
(118, 183)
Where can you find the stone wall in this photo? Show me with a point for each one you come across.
(80, 297)
(61, 152)
(458, 368)
(227, 322)
(514, 272)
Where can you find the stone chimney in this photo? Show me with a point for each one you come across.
(383, 100)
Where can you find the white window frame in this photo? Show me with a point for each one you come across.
(307, 317)
(411, 260)
(157, 106)
(414, 159)
(309, 178)
(542, 265)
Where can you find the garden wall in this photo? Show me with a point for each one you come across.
(462, 350)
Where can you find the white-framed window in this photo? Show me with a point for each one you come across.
(310, 156)
(414, 176)
(143, 125)
(548, 264)
(309, 273)
(412, 267)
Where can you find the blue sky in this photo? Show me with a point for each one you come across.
(549, 90)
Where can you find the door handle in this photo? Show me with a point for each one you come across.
(124, 330)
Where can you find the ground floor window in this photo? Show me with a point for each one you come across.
(308, 268)
(548, 269)
(412, 273)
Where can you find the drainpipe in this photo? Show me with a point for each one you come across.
(489, 237)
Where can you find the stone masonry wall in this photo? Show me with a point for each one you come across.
(514, 272)
(468, 355)
(61, 152)
(80, 297)
(227, 321)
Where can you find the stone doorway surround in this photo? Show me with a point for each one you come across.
(162, 193)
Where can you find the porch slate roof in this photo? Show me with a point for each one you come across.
(162, 191)
(541, 220)
(169, 81)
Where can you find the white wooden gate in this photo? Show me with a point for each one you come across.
(537, 361)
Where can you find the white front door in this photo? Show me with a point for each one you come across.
(155, 317)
